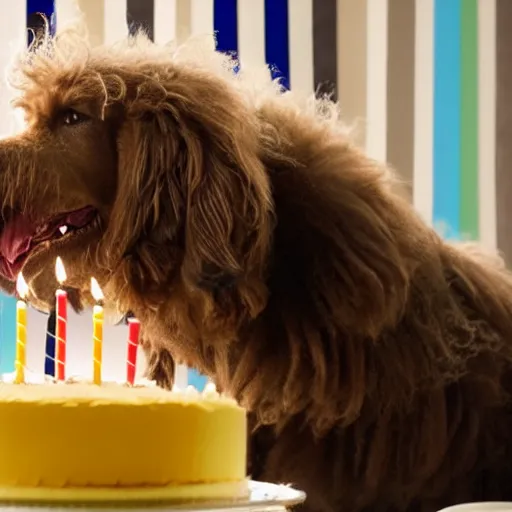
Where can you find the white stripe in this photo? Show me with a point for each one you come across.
(201, 17)
(181, 376)
(165, 21)
(140, 368)
(13, 39)
(66, 11)
(90, 11)
(376, 78)
(201, 23)
(424, 109)
(115, 25)
(251, 32)
(300, 33)
(487, 122)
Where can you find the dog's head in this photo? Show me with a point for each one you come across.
(135, 163)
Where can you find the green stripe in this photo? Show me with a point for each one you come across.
(469, 120)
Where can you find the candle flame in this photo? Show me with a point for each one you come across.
(60, 271)
(96, 290)
(21, 286)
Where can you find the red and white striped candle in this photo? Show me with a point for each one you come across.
(133, 344)
(61, 298)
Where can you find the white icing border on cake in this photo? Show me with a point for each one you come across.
(190, 393)
(30, 378)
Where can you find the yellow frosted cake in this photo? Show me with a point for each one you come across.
(115, 442)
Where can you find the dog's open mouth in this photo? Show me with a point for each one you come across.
(20, 236)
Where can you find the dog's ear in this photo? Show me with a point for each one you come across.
(193, 195)
(146, 212)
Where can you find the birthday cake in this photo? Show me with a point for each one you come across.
(75, 440)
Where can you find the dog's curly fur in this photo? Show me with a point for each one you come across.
(259, 245)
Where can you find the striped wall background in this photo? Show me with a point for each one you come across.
(426, 83)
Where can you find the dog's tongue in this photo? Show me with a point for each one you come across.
(16, 238)
(19, 234)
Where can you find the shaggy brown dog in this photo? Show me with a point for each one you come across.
(256, 243)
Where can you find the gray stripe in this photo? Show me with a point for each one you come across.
(183, 20)
(140, 15)
(504, 127)
(400, 89)
(94, 12)
(324, 47)
(351, 47)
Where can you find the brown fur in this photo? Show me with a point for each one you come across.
(259, 245)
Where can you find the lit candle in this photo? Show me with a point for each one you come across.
(97, 331)
(133, 343)
(21, 329)
(62, 318)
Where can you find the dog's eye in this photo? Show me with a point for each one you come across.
(71, 117)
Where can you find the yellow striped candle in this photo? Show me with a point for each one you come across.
(97, 332)
(21, 330)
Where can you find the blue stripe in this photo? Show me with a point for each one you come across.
(447, 105)
(276, 40)
(7, 333)
(196, 379)
(225, 25)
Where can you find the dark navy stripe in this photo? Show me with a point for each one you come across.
(141, 15)
(37, 10)
(276, 40)
(45, 7)
(225, 25)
